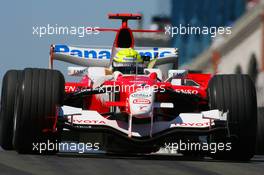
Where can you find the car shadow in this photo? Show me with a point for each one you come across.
(156, 157)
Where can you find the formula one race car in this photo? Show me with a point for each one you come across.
(128, 103)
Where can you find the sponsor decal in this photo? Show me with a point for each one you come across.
(137, 95)
(70, 88)
(104, 53)
(78, 71)
(141, 101)
(187, 91)
(193, 124)
(84, 121)
(142, 108)
(130, 59)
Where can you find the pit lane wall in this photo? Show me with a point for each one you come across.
(240, 52)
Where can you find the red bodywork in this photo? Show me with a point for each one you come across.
(94, 102)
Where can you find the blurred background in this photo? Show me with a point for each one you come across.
(240, 52)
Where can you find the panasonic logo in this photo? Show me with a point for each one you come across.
(104, 53)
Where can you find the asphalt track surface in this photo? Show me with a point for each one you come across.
(12, 163)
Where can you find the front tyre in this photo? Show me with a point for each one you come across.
(9, 92)
(39, 95)
(237, 95)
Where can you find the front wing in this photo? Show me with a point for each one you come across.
(88, 119)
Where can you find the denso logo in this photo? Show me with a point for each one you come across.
(141, 101)
(70, 89)
(104, 53)
(187, 91)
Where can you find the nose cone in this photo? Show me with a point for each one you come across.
(141, 102)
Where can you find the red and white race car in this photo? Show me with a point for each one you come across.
(137, 112)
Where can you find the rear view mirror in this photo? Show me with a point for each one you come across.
(145, 58)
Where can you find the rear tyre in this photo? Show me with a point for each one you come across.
(35, 116)
(9, 88)
(237, 95)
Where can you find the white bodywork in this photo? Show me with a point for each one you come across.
(205, 119)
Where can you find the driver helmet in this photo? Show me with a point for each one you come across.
(126, 59)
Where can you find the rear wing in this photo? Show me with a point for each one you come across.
(101, 56)
(124, 17)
